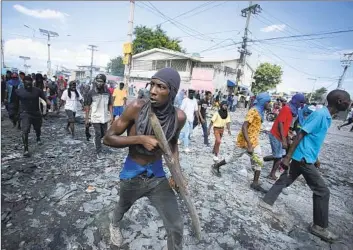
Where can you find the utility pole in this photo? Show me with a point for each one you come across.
(346, 62)
(311, 94)
(128, 46)
(2, 54)
(48, 34)
(252, 9)
(25, 58)
(92, 48)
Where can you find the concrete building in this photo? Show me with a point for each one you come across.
(83, 72)
(195, 72)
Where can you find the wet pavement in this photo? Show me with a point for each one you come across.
(46, 203)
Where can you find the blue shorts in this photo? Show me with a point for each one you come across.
(276, 146)
(118, 110)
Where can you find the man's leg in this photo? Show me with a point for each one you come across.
(205, 134)
(104, 127)
(26, 125)
(237, 152)
(218, 138)
(277, 152)
(186, 134)
(284, 181)
(163, 199)
(97, 137)
(321, 194)
(257, 164)
(71, 121)
(37, 125)
(130, 191)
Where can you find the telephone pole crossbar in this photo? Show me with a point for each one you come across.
(346, 63)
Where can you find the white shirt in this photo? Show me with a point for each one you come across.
(71, 103)
(189, 107)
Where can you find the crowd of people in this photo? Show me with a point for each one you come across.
(296, 137)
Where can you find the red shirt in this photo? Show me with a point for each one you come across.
(284, 116)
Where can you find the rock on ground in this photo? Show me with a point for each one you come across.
(45, 204)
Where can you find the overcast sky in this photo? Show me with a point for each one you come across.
(210, 25)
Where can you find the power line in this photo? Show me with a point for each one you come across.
(182, 14)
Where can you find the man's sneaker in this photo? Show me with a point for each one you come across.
(215, 158)
(322, 233)
(115, 236)
(187, 150)
(26, 154)
(264, 205)
(100, 156)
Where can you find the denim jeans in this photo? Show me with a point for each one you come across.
(321, 194)
(162, 197)
(185, 133)
(205, 134)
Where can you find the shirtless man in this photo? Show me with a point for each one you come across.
(142, 173)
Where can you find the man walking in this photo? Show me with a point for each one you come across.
(142, 174)
(70, 99)
(279, 133)
(203, 106)
(303, 154)
(98, 105)
(12, 101)
(30, 113)
(190, 107)
(248, 140)
(349, 120)
(119, 100)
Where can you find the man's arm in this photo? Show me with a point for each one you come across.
(88, 103)
(113, 136)
(199, 113)
(174, 142)
(42, 95)
(244, 129)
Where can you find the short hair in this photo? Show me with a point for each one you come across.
(335, 95)
(22, 73)
(208, 93)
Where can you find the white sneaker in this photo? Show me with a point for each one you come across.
(285, 191)
(179, 142)
(187, 150)
(115, 236)
(215, 158)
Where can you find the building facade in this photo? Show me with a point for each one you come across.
(195, 72)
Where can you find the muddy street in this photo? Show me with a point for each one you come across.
(62, 196)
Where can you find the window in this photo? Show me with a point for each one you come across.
(179, 65)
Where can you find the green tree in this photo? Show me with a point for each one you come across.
(317, 95)
(147, 38)
(267, 76)
(116, 66)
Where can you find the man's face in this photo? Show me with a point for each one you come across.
(208, 97)
(191, 94)
(121, 85)
(267, 106)
(159, 93)
(22, 77)
(28, 85)
(73, 86)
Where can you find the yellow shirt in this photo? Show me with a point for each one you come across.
(254, 119)
(218, 121)
(119, 96)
